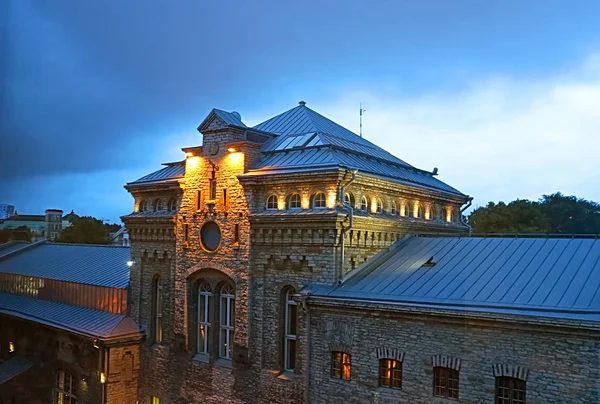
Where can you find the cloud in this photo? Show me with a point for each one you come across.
(499, 138)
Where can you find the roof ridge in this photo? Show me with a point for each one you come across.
(28, 246)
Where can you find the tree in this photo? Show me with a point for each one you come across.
(570, 215)
(22, 233)
(85, 230)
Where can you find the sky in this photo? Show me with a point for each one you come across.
(502, 96)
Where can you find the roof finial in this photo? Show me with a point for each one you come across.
(361, 114)
(302, 103)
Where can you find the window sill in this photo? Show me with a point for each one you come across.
(201, 358)
(287, 375)
(226, 363)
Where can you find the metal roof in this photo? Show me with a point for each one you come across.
(93, 323)
(149, 214)
(13, 367)
(170, 172)
(528, 276)
(230, 118)
(11, 246)
(82, 263)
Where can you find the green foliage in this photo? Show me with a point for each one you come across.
(22, 233)
(85, 230)
(552, 214)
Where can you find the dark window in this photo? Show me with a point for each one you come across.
(236, 233)
(390, 373)
(445, 382)
(65, 388)
(272, 203)
(224, 196)
(157, 309)
(289, 340)
(341, 366)
(364, 206)
(213, 189)
(199, 200)
(319, 201)
(510, 390)
(186, 232)
(172, 204)
(210, 236)
(157, 206)
(294, 201)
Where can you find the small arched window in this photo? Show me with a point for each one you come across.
(157, 205)
(420, 212)
(65, 388)
(143, 206)
(272, 202)
(294, 202)
(289, 332)
(452, 216)
(227, 320)
(394, 208)
(364, 205)
(319, 201)
(378, 206)
(408, 210)
(157, 309)
(204, 325)
(172, 205)
(349, 199)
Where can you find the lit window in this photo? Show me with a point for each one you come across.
(407, 210)
(143, 206)
(445, 382)
(510, 390)
(157, 308)
(394, 208)
(349, 199)
(420, 212)
(64, 391)
(155, 400)
(204, 298)
(11, 347)
(172, 205)
(272, 203)
(227, 310)
(157, 205)
(390, 373)
(341, 365)
(294, 201)
(379, 206)
(319, 200)
(291, 319)
(364, 205)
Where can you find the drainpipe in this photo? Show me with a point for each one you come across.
(307, 356)
(351, 219)
(467, 206)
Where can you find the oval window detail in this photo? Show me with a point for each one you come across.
(210, 236)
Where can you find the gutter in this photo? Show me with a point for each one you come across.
(467, 206)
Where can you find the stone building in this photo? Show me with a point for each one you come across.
(43, 227)
(250, 256)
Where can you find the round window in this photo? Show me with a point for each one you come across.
(210, 236)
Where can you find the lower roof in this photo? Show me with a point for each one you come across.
(544, 277)
(13, 368)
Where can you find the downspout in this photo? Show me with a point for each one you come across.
(467, 206)
(307, 356)
(350, 222)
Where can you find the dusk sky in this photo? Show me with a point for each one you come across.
(502, 96)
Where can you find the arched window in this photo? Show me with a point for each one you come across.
(420, 212)
(319, 201)
(143, 206)
(227, 318)
(65, 388)
(445, 382)
(289, 334)
(272, 203)
(378, 206)
(172, 205)
(157, 309)
(294, 202)
(390, 373)
(364, 205)
(394, 208)
(157, 205)
(204, 303)
(349, 199)
(510, 390)
(452, 216)
(408, 210)
(444, 214)
(341, 365)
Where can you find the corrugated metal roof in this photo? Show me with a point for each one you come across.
(172, 171)
(11, 246)
(230, 118)
(149, 214)
(532, 276)
(13, 367)
(84, 321)
(88, 264)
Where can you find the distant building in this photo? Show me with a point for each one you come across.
(47, 226)
(6, 211)
(120, 237)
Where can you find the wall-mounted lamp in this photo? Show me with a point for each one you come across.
(96, 344)
(231, 150)
(102, 378)
(11, 347)
(130, 263)
(189, 154)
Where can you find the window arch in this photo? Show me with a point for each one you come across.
(157, 205)
(364, 204)
(272, 202)
(289, 332)
(204, 324)
(294, 201)
(408, 210)
(143, 206)
(65, 388)
(420, 212)
(157, 309)
(349, 199)
(394, 208)
(172, 206)
(319, 201)
(378, 206)
(227, 319)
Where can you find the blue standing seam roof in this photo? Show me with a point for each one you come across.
(229, 118)
(560, 277)
(13, 368)
(82, 320)
(172, 171)
(88, 264)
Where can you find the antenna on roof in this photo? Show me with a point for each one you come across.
(361, 114)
